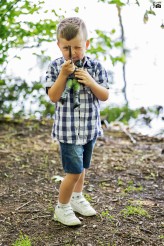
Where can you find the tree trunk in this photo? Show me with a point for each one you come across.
(124, 90)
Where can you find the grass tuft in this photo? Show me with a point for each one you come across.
(23, 240)
(134, 210)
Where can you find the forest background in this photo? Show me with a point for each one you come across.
(27, 44)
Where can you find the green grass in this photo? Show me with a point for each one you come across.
(88, 197)
(23, 240)
(132, 188)
(106, 215)
(120, 182)
(134, 210)
(50, 207)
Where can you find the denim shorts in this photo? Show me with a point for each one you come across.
(76, 157)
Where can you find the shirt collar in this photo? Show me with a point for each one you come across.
(87, 62)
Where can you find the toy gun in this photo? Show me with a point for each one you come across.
(72, 83)
(78, 64)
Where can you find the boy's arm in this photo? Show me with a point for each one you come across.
(56, 90)
(85, 78)
(99, 91)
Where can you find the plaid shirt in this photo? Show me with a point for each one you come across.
(82, 124)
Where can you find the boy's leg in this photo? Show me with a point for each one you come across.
(72, 161)
(80, 183)
(67, 186)
(78, 201)
(63, 211)
(72, 186)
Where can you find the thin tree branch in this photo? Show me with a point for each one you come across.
(123, 51)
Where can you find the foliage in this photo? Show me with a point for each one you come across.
(148, 12)
(104, 46)
(122, 114)
(17, 30)
(23, 100)
(25, 25)
(23, 240)
(117, 2)
(142, 116)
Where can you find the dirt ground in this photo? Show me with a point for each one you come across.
(124, 184)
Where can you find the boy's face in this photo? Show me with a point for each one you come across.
(78, 47)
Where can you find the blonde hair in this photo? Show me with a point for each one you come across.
(68, 28)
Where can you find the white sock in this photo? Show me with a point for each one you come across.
(76, 195)
(63, 205)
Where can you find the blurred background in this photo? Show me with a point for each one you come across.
(126, 36)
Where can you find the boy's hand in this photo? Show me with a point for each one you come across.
(67, 68)
(84, 77)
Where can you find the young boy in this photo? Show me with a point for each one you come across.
(75, 128)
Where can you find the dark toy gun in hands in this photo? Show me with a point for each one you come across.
(72, 83)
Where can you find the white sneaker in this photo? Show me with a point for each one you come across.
(66, 216)
(82, 206)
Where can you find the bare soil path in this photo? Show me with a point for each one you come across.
(124, 184)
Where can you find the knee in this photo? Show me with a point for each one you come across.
(74, 177)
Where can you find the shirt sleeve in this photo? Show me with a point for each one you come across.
(101, 76)
(51, 75)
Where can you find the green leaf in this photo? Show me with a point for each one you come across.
(117, 2)
(146, 17)
(2, 82)
(116, 59)
(113, 31)
(162, 26)
(118, 44)
(76, 9)
(151, 12)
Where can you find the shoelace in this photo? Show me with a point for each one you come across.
(68, 211)
(83, 201)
